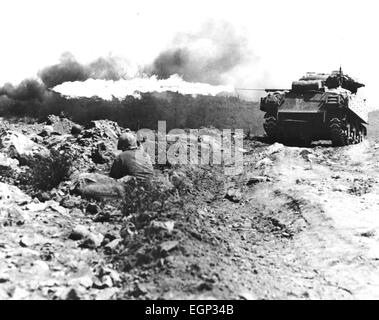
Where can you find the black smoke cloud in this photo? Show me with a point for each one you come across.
(208, 55)
(204, 56)
(69, 69)
(29, 89)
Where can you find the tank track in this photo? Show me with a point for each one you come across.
(343, 134)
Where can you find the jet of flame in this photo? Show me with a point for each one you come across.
(109, 89)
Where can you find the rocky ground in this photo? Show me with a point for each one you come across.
(299, 223)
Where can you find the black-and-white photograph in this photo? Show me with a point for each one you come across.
(189, 150)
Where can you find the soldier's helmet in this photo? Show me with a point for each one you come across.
(76, 129)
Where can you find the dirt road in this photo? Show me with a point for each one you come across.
(329, 199)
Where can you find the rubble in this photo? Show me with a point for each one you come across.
(60, 125)
(92, 240)
(71, 202)
(8, 162)
(111, 246)
(4, 277)
(52, 119)
(78, 233)
(261, 164)
(10, 195)
(105, 129)
(84, 281)
(28, 241)
(12, 215)
(42, 206)
(87, 238)
(275, 148)
(368, 234)
(47, 131)
(252, 180)
(76, 129)
(92, 208)
(157, 226)
(247, 295)
(40, 267)
(234, 195)
(167, 246)
(19, 146)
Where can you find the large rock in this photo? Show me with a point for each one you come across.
(8, 162)
(264, 163)
(52, 119)
(105, 129)
(158, 226)
(252, 180)
(275, 148)
(12, 195)
(234, 195)
(47, 131)
(12, 215)
(61, 125)
(18, 145)
(76, 129)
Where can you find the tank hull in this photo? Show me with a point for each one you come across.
(302, 117)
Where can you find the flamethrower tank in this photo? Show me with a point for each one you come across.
(318, 107)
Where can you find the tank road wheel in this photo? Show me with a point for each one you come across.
(354, 136)
(351, 138)
(338, 134)
(350, 134)
(359, 136)
(339, 137)
(363, 133)
(271, 126)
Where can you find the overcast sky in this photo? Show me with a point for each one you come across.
(286, 38)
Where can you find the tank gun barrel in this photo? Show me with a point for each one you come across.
(260, 89)
(274, 90)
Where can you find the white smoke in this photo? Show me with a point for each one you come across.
(109, 89)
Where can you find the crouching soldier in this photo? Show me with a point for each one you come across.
(133, 161)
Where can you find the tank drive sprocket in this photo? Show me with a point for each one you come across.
(271, 126)
(338, 132)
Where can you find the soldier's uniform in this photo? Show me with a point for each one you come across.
(133, 161)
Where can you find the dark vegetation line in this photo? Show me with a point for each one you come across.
(180, 111)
